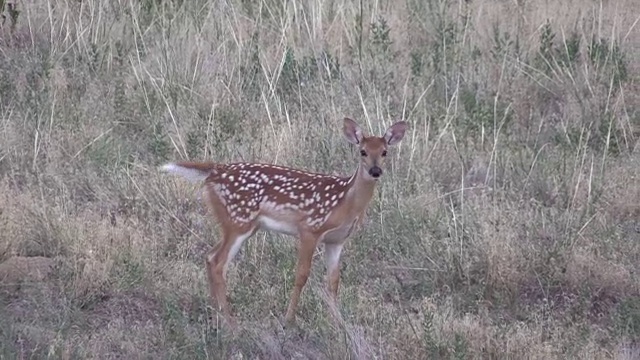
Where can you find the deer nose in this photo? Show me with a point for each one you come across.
(375, 172)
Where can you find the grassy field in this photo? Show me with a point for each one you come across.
(506, 226)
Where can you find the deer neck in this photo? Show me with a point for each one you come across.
(361, 188)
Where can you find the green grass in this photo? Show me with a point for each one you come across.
(506, 224)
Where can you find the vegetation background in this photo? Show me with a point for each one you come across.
(506, 226)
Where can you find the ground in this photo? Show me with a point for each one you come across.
(506, 224)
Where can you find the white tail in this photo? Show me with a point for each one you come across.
(191, 173)
(316, 208)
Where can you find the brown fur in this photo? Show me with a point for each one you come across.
(316, 208)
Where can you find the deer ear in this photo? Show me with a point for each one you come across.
(352, 131)
(396, 132)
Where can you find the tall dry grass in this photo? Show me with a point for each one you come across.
(506, 226)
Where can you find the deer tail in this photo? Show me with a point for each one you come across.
(192, 171)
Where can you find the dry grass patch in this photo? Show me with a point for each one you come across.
(506, 224)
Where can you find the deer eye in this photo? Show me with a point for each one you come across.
(384, 153)
(363, 153)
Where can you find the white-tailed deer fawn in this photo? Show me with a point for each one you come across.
(316, 208)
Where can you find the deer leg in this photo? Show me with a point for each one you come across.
(217, 263)
(210, 265)
(332, 259)
(305, 254)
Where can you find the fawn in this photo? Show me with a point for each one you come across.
(316, 208)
